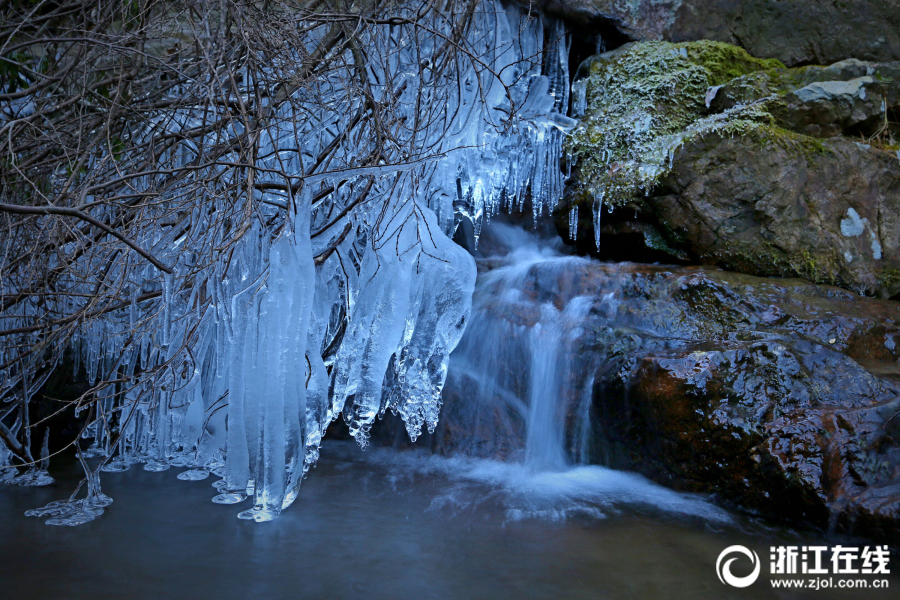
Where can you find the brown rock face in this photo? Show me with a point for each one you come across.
(796, 32)
(829, 214)
(775, 394)
(782, 428)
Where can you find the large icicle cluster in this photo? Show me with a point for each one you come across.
(340, 294)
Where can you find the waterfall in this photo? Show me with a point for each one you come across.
(520, 389)
(551, 343)
(518, 364)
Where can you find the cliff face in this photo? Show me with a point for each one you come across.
(752, 166)
(796, 32)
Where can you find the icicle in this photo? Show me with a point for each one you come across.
(226, 361)
(579, 98)
(573, 223)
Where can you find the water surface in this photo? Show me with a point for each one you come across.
(386, 525)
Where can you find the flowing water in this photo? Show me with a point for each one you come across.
(511, 379)
(511, 511)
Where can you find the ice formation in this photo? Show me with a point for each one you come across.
(344, 294)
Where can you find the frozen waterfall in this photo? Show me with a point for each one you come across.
(342, 294)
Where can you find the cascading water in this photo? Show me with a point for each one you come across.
(550, 366)
(516, 413)
(516, 367)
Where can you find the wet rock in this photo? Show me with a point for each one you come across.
(775, 395)
(797, 32)
(779, 396)
(786, 428)
(773, 172)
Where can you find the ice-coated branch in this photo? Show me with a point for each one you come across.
(71, 212)
(259, 209)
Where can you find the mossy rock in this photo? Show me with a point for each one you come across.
(726, 62)
(643, 101)
(758, 173)
(777, 204)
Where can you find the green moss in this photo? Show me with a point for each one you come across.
(795, 144)
(647, 100)
(823, 268)
(765, 259)
(889, 279)
(725, 62)
(819, 269)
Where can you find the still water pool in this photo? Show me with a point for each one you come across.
(389, 525)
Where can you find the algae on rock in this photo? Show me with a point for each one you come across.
(744, 163)
(644, 100)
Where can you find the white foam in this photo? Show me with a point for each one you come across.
(590, 491)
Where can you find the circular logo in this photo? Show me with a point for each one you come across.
(723, 567)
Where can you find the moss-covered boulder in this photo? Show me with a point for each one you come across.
(641, 102)
(796, 32)
(744, 163)
(851, 96)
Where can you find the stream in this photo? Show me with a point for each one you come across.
(507, 507)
